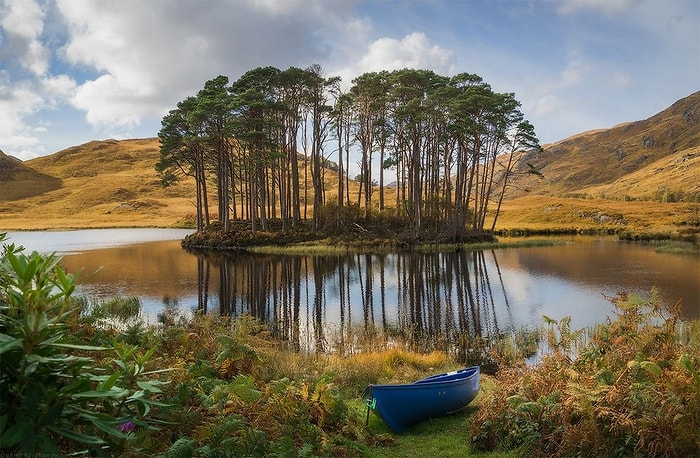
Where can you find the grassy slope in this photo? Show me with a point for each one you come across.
(635, 159)
(103, 184)
(113, 183)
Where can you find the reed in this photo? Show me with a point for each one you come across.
(679, 247)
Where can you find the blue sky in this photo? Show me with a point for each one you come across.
(72, 71)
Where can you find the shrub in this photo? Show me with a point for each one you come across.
(54, 399)
(632, 390)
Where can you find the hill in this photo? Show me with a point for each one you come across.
(654, 159)
(17, 181)
(99, 184)
(638, 176)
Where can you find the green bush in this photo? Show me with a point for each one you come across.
(54, 398)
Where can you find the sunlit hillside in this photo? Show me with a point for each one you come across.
(653, 159)
(107, 183)
(639, 176)
(99, 184)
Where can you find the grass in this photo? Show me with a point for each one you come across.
(124, 191)
(678, 247)
(331, 247)
(439, 437)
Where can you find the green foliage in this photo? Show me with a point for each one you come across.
(182, 448)
(54, 398)
(632, 389)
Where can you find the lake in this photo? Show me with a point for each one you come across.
(321, 302)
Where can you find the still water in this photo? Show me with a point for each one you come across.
(320, 302)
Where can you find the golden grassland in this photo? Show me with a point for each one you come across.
(102, 184)
(554, 213)
(637, 160)
(625, 179)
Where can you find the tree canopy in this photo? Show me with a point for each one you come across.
(451, 143)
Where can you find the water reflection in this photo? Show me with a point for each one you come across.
(326, 303)
(441, 300)
(342, 303)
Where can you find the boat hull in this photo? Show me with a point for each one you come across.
(403, 405)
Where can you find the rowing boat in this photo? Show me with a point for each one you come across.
(403, 405)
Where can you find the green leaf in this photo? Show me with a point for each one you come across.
(137, 395)
(15, 433)
(66, 282)
(47, 446)
(515, 400)
(110, 427)
(42, 322)
(109, 383)
(96, 394)
(8, 343)
(685, 361)
(84, 438)
(159, 371)
(51, 416)
(29, 370)
(148, 386)
(79, 347)
(651, 367)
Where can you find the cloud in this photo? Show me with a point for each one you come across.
(117, 67)
(17, 101)
(412, 51)
(147, 62)
(22, 24)
(56, 89)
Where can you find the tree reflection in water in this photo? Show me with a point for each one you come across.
(346, 303)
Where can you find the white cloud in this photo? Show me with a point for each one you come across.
(412, 51)
(22, 23)
(17, 101)
(57, 89)
(107, 102)
(151, 60)
(123, 64)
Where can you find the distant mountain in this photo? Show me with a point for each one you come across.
(99, 184)
(636, 160)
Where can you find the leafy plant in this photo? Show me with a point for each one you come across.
(631, 389)
(54, 399)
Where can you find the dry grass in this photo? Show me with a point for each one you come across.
(542, 212)
(622, 179)
(103, 184)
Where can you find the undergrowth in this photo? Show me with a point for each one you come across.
(86, 377)
(631, 389)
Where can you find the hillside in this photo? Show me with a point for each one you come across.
(638, 176)
(99, 184)
(642, 160)
(17, 181)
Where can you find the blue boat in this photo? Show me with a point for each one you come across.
(403, 405)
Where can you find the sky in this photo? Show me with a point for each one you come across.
(72, 71)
